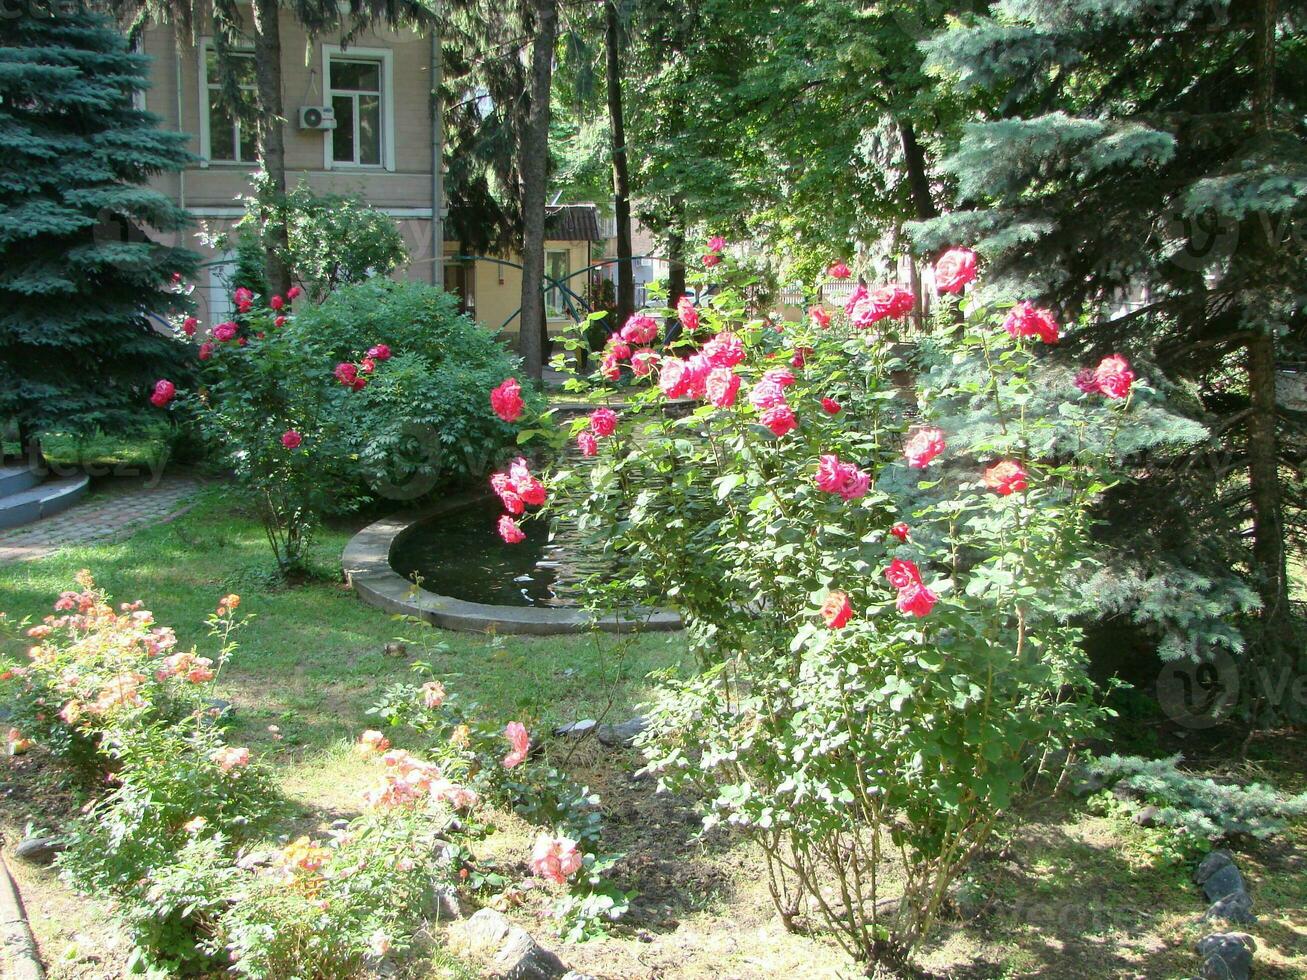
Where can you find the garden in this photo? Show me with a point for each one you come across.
(905, 588)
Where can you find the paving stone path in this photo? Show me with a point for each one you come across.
(104, 514)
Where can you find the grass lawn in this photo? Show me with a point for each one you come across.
(1065, 893)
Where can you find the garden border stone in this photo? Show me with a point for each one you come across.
(366, 564)
(21, 960)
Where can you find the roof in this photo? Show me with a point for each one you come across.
(572, 223)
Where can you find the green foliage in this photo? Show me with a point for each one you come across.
(1203, 808)
(892, 733)
(82, 265)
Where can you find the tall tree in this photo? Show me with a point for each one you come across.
(79, 272)
(621, 177)
(534, 156)
(1155, 196)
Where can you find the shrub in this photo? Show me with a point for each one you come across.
(379, 392)
(879, 603)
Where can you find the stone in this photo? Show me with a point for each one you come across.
(508, 951)
(573, 975)
(396, 649)
(623, 734)
(577, 728)
(1227, 955)
(38, 850)
(1148, 816)
(1211, 864)
(1222, 882)
(1236, 908)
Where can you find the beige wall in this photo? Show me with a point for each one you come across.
(498, 289)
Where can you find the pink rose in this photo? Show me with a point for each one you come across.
(845, 479)
(923, 446)
(687, 314)
(640, 329)
(509, 531)
(830, 406)
(780, 419)
(242, 295)
(903, 573)
(955, 269)
(1087, 381)
(643, 361)
(618, 350)
(900, 531)
(293, 292)
(887, 301)
(1113, 376)
(224, 331)
(291, 439)
(766, 394)
(206, 351)
(555, 858)
(372, 742)
(229, 758)
(519, 742)
(164, 392)
(819, 316)
(527, 486)
(673, 378)
(279, 321)
(433, 695)
(838, 270)
(1005, 478)
(381, 352)
(711, 260)
(189, 325)
(603, 421)
(724, 350)
(276, 302)
(721, 387)
(347, 374)
(1028, 320)
(801, 355)
(506, 400)
(587, 444)
(779, 376)
(836, 610)
(856, 297)
(916, 600)
(610, 367)
(716, 243)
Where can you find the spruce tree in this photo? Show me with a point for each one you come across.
(1145, 171)
(80, 269)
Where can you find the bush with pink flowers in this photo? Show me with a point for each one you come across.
(879, 598)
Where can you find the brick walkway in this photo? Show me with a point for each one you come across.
(101, 515)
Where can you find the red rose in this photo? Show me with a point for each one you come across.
(819, 316)
(916, 600)
(838, 270)
(509, 531)
(279, 321)
(1005, 478)
(900, 531)
(164, 391)
(687, 314)
(276, 302)
(381, 352)
(206, 351)
(716, 243)
(640, 329)
(506, 400)
(780, 419)
(224, 331)
(923, 446)
(830, 406)
(603, 421)
(1028, 320)
(291, 439)
(367, 365)
(836, 610)
(1113, 376)
(711, 260)
(189, 325)
(586, 443)
(346, 373)
(293, 292)
(618, 350)
(902, 573)
(801, 355)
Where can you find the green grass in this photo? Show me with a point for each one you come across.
(312, 660)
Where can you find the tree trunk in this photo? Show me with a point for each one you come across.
(621, 182)
(914, 159)
(535, 178)
(271, 139)
(675, 265)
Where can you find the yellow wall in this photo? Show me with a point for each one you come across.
(498, 289)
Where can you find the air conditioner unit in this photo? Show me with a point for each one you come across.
(317, 117)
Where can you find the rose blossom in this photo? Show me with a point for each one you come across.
(206, 351)
(555, 858)
(1087, 381)
(766, 394)
(673, 378)
(916, 600)
(687, 314)
(830, 406)
(923, 446)
(839, 270)
(780, 419)
(506, 400)
(381, 352)
(618, 350)
(372, 742)
(531, 490)
(886, 301)
(164, 391)
(639, 329)
(722, 386)
(1027, 320)
(585, 442)
(955, 269)
(520, 744)
(903, 573)
(433, 695)
(189, 325)
(610, 368)
(279, 322)
(819, 316)
(801, 355)
(711, 259)
(724, 350)
(836, 610)
(291, 439)
(716, 243)
(857, 296)
(900, 531)
(643, 361)
(1005, 478)
(603, 421)
(845, 479)
(229, 758)
(509, 531)
(293, 292)
(276, 302)
(1113, 376)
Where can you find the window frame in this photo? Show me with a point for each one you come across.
(206, 144)
(386, 58)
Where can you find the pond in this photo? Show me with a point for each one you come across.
(460, 554)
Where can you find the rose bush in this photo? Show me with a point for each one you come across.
(879, 604)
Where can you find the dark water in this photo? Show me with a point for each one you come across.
(460, 554)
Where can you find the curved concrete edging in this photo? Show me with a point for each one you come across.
(366, 563)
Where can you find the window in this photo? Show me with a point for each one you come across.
(355, 87)
(558, 265)
(224, 138)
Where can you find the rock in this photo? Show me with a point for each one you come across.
(577, 728)
(220, 708)
(1148, 816)
(508, 951)
(1211, 864)
(396, 649)
(448, 905)
(341, 824)
(623, 734)
(1236, 908)
(573, 975)
(1224, 881)
(38, 850)
(1226, 955)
